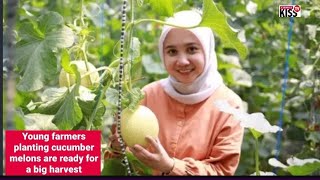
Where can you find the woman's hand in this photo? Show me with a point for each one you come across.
(157, 158)
(114, 143)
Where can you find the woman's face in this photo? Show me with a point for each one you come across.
(183, 55)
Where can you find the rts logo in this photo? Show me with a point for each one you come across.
(289, 11)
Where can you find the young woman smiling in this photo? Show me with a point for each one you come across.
(195, 138)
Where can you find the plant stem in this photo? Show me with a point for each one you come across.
(160, 22)
(128, 55)
(316, 61)
(97, 70)
(100, 95)
(83, 40)
(81, 14)
(132, 10)
(257, 156)
(101, 90)
(131, 43)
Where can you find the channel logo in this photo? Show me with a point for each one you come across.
(289, 11)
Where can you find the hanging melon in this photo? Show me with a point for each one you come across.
(89, 80)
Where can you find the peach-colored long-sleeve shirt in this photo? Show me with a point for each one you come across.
(201, 139)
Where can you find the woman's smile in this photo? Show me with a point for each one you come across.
(185, 71)
(183, 55)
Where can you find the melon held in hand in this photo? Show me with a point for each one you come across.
(135, 126)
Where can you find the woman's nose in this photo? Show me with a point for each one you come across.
(182, 60)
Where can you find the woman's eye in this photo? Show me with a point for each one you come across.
(172, 52)
(192, 50)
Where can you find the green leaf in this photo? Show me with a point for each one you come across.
(305, 169)
(134, 49)
(151, 66)
(34, 57)
(312, 31)
(78, 77)
(94, 12)
(135, 97)
(307, 70)
(139, 3)
(138, 167)
(36, 121)
(113, 167)
(52, 99)
(87, 108)
(230, 59)
(163, 7)
(65, 61)
(36, 64)
(264, 4)
(18, 119)
(214, 19)
(241, 77)
(111, 96)
(57, 35)
(255, 133)
(313, 136)
(91, 9)
(69, 114)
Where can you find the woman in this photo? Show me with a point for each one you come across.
(195, 138)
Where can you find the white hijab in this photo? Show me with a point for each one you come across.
(210, 79)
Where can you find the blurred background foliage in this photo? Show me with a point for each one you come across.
(257, 79)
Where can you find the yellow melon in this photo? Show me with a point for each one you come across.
(92, 80)
(135, 126)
